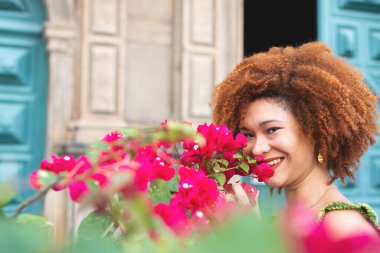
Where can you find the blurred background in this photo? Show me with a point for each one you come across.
(72, 70)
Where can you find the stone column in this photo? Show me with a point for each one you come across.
(99, 95)
(61, 38)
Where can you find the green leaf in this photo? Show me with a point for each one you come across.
(46, 178)
(244, 167)
(23, 237)
(34, 219)
(262, 234)
(7, 194)
(250, 160)
(238, 156)
(95, 225)
(173, 183)
(220, 178)
(93, 185)
(99, 145)
(130, 132)
(216, 167)
(224, 162)
(103, 245)
(159, 192)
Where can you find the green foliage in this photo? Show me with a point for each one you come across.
(159, 192)
(95, 149)
(36, 220)
(95, 225)
(244, 167)
(46, 178)
(131, 132)
(220, 178)
(173, 184)
(23, 237)
(96, 245)
(246, 234)
(7, 194)
(238, 156)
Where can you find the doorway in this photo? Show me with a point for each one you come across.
(278, 23)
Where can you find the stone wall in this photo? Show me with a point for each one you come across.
(119, 63)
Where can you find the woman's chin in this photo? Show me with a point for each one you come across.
(274, 182)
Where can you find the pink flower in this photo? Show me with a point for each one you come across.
(77, 190)
(263, 172)
(219, 141)
(241, 139)
(100, 179)
(59, 164)
(196, 190)
(175, 218)
(305, 234)
(251, 191)
(162, 170)
(34, 180)
(112, 137)
(163, 143)
(259, 158)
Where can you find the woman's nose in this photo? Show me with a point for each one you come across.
(260, 146)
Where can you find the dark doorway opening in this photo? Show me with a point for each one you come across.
(278, 23)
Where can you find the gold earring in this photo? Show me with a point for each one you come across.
(320, 157)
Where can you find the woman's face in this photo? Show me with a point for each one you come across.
(273, 131)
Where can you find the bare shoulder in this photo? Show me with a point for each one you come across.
(346, 223)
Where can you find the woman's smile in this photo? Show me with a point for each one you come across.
(274, 162)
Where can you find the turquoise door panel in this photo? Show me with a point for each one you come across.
(352, 29)
(23, 92)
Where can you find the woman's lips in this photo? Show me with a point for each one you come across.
(273, 167)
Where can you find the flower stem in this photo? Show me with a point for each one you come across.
(34, 198)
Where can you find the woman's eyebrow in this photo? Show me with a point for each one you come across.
(261, 124)
(268, 121)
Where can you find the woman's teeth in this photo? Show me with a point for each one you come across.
(273, 162)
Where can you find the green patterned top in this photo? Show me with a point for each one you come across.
(362, 208)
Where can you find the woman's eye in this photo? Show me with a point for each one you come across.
(248, 135)
(272, 130)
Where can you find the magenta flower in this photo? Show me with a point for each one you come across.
(263, 172)
(77, 190)
(112, 137)
(59, 164)
(175, 218)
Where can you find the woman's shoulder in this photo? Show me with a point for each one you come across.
(346, 219)
(359, 209)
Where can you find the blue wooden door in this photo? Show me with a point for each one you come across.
(352, 29)
(23, 86)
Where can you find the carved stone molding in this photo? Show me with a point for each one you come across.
(360, 5)
(61, 35)
(211, 42)
(99, 98)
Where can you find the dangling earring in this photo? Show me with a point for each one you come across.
(320, 157)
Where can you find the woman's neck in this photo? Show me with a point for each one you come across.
(314, 191)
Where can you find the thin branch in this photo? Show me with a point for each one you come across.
(34, 198)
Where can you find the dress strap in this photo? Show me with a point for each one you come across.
(366, 210)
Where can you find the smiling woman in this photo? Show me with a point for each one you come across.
(312, 117)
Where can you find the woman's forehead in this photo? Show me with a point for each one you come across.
(264, 110)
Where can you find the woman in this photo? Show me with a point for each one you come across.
(312, 117)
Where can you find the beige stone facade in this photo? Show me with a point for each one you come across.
(118, 63)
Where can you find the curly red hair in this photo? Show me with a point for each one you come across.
(327, 96)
